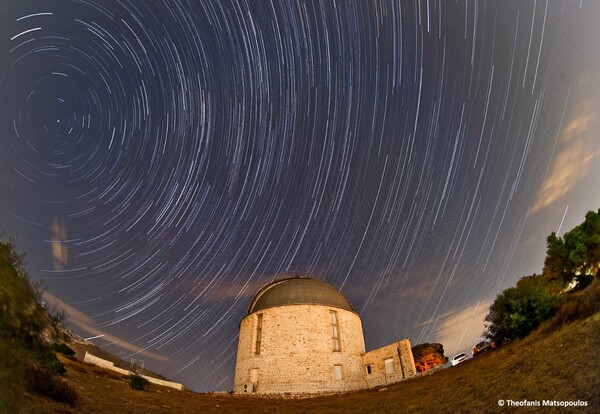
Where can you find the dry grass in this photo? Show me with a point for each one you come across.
(564, 365)
(575, 306)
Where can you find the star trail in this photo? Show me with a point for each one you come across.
(160, 161)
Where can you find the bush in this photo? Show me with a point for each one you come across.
(62, 349)
(576, 306)
(12, 377)
(137, 382)
(55, 366)
(27, 363)
(519, 310)
(48, 360)
(44, 383)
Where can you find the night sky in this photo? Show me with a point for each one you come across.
(160, 161)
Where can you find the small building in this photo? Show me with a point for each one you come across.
(302, 336)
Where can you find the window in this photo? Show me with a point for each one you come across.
(335, 331)
(369, 369)
(254, 376)
(337, 372)
(389, 365)
(258, 334)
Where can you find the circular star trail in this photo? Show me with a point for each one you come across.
(160, 161)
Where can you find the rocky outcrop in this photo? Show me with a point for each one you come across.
(428, 356)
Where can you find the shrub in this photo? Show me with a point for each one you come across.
(519, 310)
(48, 360)
(55, 366)
(576, 306)
(12, 376)
(137, 382)
(44, 383)
(26, 361)
(62, 349)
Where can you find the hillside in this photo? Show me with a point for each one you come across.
(562, 365)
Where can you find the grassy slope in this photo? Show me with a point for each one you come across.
(563, 365)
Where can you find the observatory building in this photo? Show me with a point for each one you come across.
(302, 336)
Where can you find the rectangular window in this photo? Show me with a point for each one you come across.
(335, 331)
(369, 369)
(389, 365)
(337, 372)
(254, 376)
(258, 333)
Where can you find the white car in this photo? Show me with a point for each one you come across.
(458, 358)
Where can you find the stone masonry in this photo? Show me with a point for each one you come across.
(301, 336)
(399, 367)
(296, 352)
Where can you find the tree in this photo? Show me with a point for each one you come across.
(556, 264)
(519, 310)
(591, 228)
(577, 253)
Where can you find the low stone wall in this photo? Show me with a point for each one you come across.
(94, 360)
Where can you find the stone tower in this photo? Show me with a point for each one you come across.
(300, 336)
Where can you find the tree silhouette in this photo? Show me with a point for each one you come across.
(577, 253)
(519, 310)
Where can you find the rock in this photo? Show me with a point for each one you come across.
(429, 352)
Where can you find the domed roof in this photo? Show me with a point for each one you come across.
(298, 291)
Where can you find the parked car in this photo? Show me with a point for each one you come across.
(458, 358)
(481, 347)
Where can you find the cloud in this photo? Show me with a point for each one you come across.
(460, 329)
(60, 252)
(574, 158)
(216, 290)
(81, 320)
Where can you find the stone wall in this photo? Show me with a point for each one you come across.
(401, 364)
(296, 352)
(94, 360)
